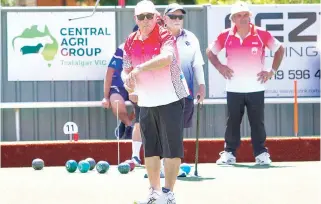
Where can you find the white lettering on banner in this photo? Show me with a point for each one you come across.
(45, 46)
(297, 27)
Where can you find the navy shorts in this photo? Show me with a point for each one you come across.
(119, 90)
(188, 112)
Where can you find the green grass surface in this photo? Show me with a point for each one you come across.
(243, 183)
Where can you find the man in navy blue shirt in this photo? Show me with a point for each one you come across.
(114, 90)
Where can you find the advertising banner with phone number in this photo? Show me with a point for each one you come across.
(297, 27)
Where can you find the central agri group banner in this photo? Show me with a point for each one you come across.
(47, 46)
(297, 27)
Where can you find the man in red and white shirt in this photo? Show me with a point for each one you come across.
(246, 76)
(151, 69)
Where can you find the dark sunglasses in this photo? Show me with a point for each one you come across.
(173, 17)
(149, 16)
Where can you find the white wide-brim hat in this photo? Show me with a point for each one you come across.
(239, 7)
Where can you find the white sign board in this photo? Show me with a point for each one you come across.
(297, 27)
(70, 128)
(45, 46)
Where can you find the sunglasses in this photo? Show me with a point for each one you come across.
(149, 16)
(173, 17)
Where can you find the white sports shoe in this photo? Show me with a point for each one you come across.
(152, 197)
(166, 198)
(263, 159)
(226, 158)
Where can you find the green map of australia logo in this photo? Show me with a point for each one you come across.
(49, 50)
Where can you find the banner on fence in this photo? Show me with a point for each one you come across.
(45, 46)
(297, 27)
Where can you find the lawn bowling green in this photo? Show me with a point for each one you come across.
(281, 183)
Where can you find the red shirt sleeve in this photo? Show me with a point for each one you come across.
(269, 41)
(218, 44)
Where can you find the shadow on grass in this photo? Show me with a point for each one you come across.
(194, 178)
(255, 166)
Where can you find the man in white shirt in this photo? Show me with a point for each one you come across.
(190, 57)
(246, 76)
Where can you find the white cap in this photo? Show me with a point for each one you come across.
(145, 6)
(238, 7)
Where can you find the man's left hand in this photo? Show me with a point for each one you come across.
(134, 73)
(201, 93)
(130, 81)
(264, 76)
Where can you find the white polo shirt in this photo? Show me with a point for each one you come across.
(190, 57)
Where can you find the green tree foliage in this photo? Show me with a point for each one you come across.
(8, 2)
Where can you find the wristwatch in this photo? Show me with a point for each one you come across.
(273, 71)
